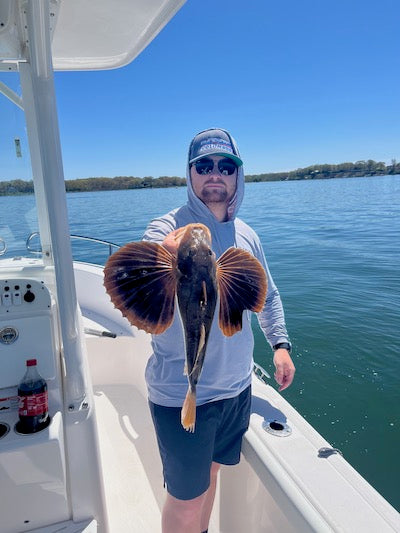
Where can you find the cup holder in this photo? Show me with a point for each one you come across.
(20, 430)
(4, 429)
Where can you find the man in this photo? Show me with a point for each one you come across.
(215, 184)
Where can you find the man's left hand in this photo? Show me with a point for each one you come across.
(284, 368)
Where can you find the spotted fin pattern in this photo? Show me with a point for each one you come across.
(140, 280)
(242, 285)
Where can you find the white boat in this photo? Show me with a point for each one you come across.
(96, 466)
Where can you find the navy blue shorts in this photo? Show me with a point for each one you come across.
(186, 456)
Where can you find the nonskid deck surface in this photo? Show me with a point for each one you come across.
(132, 469)
(131, 465)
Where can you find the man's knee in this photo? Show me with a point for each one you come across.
(186, 510)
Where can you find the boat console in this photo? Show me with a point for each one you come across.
(33, 464)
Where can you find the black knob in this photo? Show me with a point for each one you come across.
(29, 296)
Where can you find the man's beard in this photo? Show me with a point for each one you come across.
(214, 195)
(211, 196)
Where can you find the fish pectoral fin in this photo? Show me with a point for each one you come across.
(188, 412)
(141, 283)
(242, 284)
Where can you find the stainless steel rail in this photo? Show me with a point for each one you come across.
(35, 234)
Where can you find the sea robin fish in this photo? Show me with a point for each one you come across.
(143, 279)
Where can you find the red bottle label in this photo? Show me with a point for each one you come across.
(34, 405)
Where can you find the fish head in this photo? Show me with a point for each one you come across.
(194, 232)
(194, 251)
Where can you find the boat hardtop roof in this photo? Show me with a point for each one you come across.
(87, 35)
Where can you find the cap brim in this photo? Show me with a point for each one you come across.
(235, 158)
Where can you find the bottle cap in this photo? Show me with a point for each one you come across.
(31, 362)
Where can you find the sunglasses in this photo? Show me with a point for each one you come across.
(205, 166)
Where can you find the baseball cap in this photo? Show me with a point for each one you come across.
(213, 142)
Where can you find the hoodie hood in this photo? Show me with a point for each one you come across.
(195, 204)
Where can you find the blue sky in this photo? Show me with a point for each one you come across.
(296, 82)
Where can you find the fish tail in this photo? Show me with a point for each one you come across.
(188, 413)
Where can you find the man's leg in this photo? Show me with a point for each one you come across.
(209, 498)
(187, 458)
(182, 516)
(190, 516)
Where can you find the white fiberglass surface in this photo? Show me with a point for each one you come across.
(101, 35)
(85, 34)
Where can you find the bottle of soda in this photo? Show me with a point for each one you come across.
(33, 401)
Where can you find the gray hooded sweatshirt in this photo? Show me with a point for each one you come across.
(228, 362)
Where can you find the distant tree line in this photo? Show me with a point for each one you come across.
(96, 184)
(343, 170)
(122, 182)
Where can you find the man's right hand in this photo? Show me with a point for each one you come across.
(172, 240)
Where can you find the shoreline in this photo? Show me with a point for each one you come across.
(22, 188)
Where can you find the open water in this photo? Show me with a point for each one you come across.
(333, 247)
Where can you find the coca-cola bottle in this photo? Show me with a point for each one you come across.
(33, 401)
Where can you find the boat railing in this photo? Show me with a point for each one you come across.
(35, 234)
(3, 246)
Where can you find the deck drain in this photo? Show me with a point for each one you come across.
(279, 429)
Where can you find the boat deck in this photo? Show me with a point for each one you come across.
(130, 457)
(132, 467)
